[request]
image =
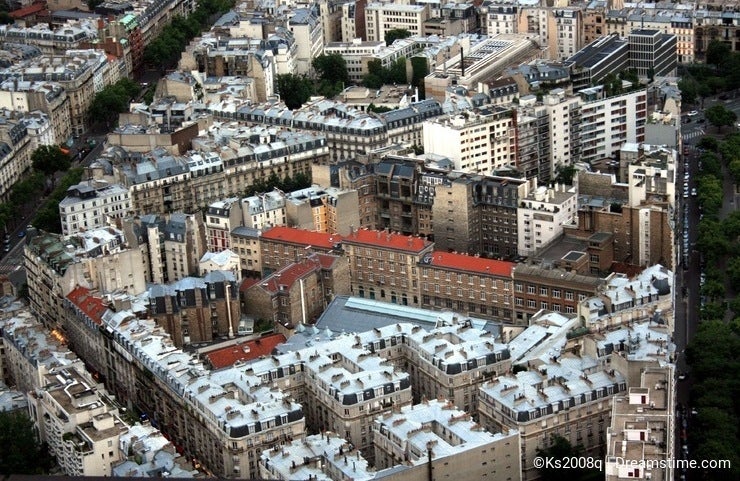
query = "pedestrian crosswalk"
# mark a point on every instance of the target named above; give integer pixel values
(693, 134)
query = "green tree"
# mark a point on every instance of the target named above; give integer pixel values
(419, 71)
(396, 34)
(565, 174)
(717, 53)
(719, 116)
(294, 90)
(21, 452)
(49, 159)
(332, 68)
(689, 90)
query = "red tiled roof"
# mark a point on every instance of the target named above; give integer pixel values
(247, 283)
(388, 240)
(92, 306)
(26, 11)
(245, 351)
(289, 274)
(326, 260)
(302, 237)
(470, 263)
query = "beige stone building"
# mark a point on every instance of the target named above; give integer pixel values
(319, 209)
(245, 241)
(435, 435)
(570, 397)
(96, 260)
(48, 97)
(15, 152)
(383, 265)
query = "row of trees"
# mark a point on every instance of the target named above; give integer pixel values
(47, 217)
(714, 353)
(300, 180)
(46, 161)
(112, 100)
(167, 47)
(21, 453)
(720, 73)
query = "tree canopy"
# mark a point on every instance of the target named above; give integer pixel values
(720, 116)
(113, 100)
(396, 34)
(294, 90)
(49, 159)
(378, 75)
(332, 75)
(21, 452)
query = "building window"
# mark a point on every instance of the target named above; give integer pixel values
(530, 290)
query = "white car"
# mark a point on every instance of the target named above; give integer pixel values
(693, 113)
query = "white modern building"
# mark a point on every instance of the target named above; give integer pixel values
(541, 216)
(479, 142)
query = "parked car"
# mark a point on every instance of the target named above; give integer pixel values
(693, 113)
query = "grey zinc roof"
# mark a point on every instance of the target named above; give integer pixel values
(355, 314)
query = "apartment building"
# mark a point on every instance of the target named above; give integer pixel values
(48, 97)
(532, 149)
(382, 17)
(357, 53)
(640, 438)
(342, 385)
(558, 290)
(542, 215)
(308, 30)
(245, 242)
(500, 17)
(30, 353)
(82, 316)
(569, 396)
(320, 456)
(565, 114)
(148, 454)
(282, 246)
(73, 72)
(53, 42)
(221, 218)
(479, 142)
(348, 132)
(196, 309)
(15, 151)
(383, 265)
(297, 293)
(319, 209)
(39, 129)
(568, 32)
(468, 284)
(643, 228)
(263, 211)
(173, 244)
(396, 181)
(79, 423)
(96, 259)
(607, 122)
(352, 175)
(91, 205)
(436, 435)
(478, 215)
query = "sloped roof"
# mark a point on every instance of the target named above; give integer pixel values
(92, 306)
(247, 351)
